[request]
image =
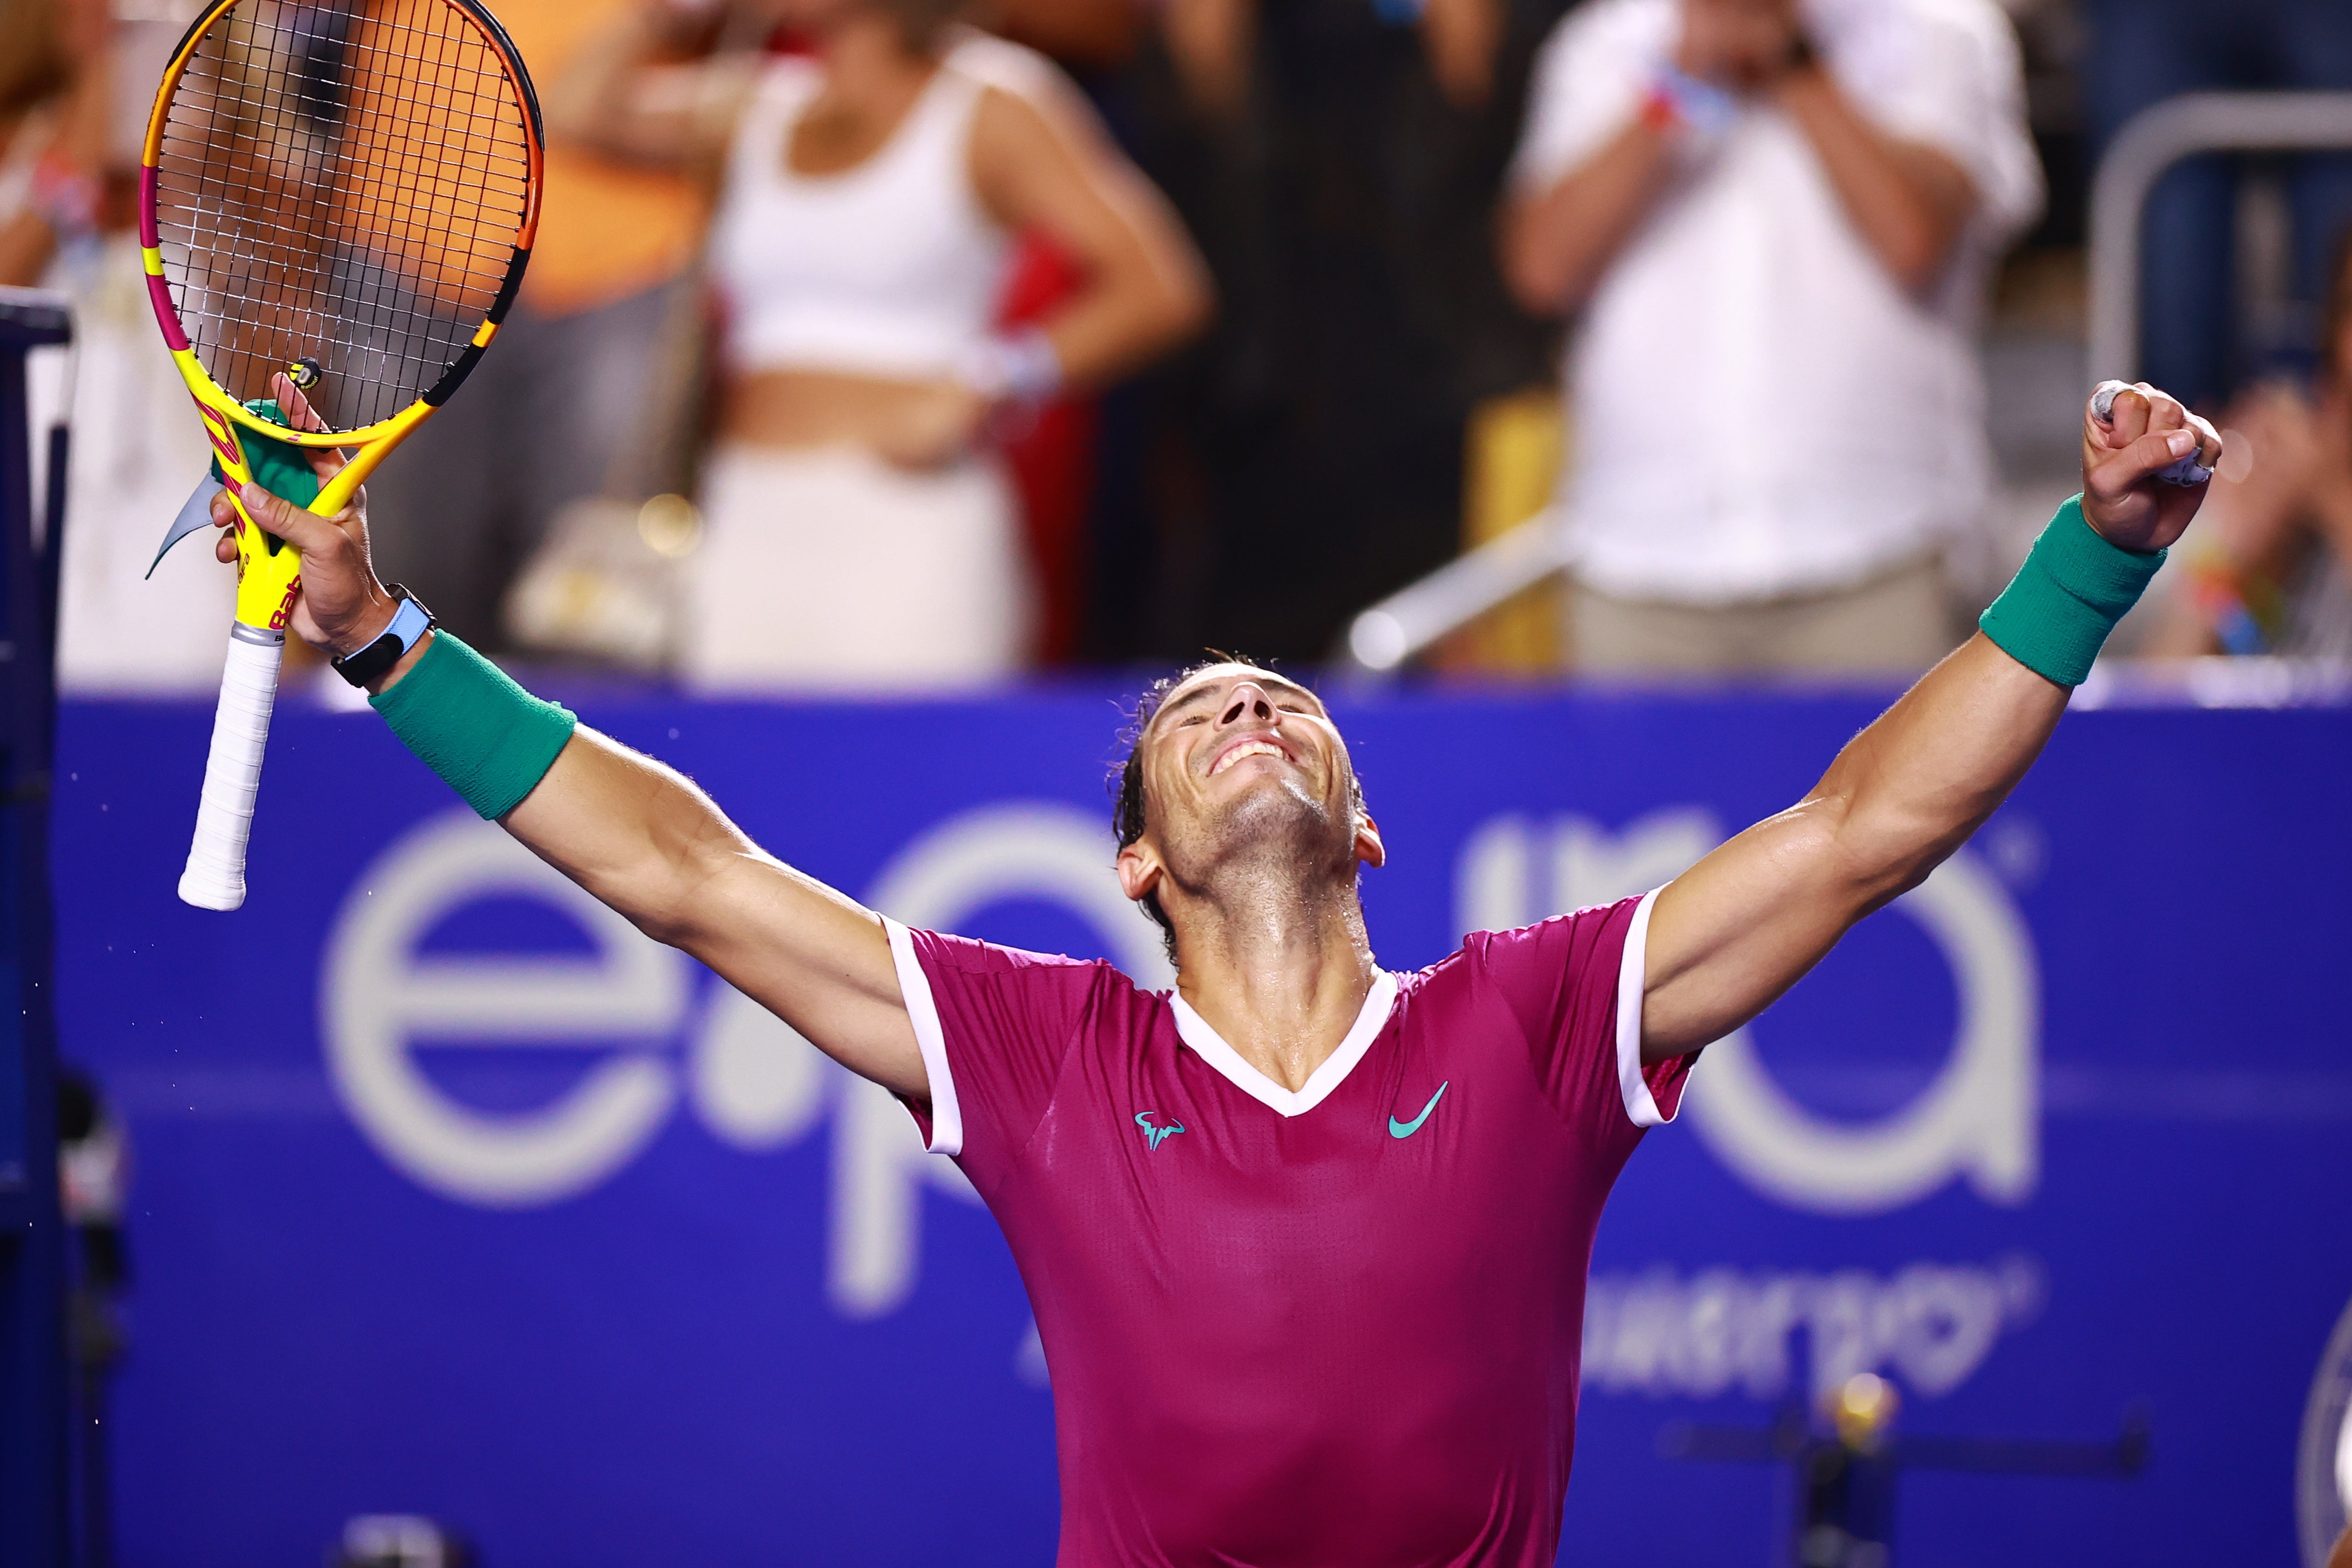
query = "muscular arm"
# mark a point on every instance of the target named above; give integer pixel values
(1908, 200)
(1743, 925)
(636, 835)
(642, 838)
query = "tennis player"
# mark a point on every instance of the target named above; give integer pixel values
(1306, 1239)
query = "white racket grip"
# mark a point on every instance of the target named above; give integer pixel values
(215, 879)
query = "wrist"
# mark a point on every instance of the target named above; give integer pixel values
(407, 662)
(2055, 615)
(372, 619)
(374, 661)
(1021, 367)
(1678, 100)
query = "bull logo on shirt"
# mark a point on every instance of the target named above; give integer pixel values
(1154, 1135)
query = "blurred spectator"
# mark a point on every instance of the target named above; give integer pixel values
(1339, 162)
(51, 108)
(858, 530)
(2266, 572)
(587, 395)
(1776, 220)
(2144, 51)
(72, 116)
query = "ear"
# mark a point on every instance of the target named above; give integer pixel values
(1369, 847)
(1138, 870)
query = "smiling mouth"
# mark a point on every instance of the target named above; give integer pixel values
(1247, 749)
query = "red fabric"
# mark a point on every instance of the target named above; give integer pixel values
(1303, 1341)
(1051, 455)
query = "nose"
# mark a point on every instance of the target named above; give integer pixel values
(1247, 702)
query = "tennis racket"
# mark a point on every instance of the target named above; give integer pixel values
(342, 193)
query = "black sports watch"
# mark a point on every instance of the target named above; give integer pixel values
(410, 621)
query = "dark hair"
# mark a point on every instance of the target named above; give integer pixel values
(1127, 811)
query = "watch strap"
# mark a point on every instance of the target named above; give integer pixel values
(410, 621)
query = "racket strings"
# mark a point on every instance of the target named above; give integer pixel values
(345, 181)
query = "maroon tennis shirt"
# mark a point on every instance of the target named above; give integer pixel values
(1332, 1326)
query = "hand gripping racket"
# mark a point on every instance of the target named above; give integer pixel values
(343, 192)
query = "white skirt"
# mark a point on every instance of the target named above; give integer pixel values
(827, 569)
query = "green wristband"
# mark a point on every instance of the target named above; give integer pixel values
(487, 738)
(2072, 589)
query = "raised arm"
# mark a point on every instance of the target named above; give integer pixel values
(1743, 925)
(641, 88)
(1559, 240)
(638, 835)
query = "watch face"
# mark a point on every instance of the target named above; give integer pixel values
(2323, 1481)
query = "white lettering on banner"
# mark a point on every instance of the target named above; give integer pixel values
(379, 997)
(1932, 1324)
(752, 1079)
(1979, 1119)
(755, 1082)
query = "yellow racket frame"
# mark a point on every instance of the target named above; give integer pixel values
(269, 570)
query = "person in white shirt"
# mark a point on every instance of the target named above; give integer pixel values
(1779, 215)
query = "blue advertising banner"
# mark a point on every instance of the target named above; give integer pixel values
(457, 1196)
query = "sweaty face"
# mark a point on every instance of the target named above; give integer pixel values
(1238, 757)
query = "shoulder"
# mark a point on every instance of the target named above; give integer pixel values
(967, 955)
(1914, 37)
(1531, 965)
(1000, 63)
(786, 77)
(1025, 105)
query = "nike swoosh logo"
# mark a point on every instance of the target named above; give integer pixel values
(1407, 1129)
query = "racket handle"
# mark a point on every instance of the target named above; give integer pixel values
(215, 879)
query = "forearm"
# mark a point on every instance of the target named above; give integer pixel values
(1908, 202)
(1912, 788)
(1458, 38)
(642, 839)
(1557, 243)
(1123, 321)
(1210, 42)
(1740, 927)
(634, 833)
(1749, 920)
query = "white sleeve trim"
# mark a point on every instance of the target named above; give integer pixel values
(1632, 973)
(923, 1011)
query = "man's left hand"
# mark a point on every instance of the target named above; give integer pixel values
(2146, 432)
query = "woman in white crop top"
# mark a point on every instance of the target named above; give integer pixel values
(858, 530)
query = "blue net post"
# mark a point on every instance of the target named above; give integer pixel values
(33, 1377)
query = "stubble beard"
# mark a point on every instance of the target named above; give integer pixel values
(1272, 847)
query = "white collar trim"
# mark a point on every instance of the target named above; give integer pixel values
(1210, 1048)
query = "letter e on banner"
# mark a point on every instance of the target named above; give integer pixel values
(381, 998)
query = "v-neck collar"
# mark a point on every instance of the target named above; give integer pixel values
(1210, 1048)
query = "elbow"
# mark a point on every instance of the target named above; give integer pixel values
(1535, 275)
(1178, 300)
(1919, 259)
(1538, 289)
(1188, 304)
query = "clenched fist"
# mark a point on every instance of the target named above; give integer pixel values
(2146, 432)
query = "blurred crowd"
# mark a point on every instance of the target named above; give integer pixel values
(911, 344)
